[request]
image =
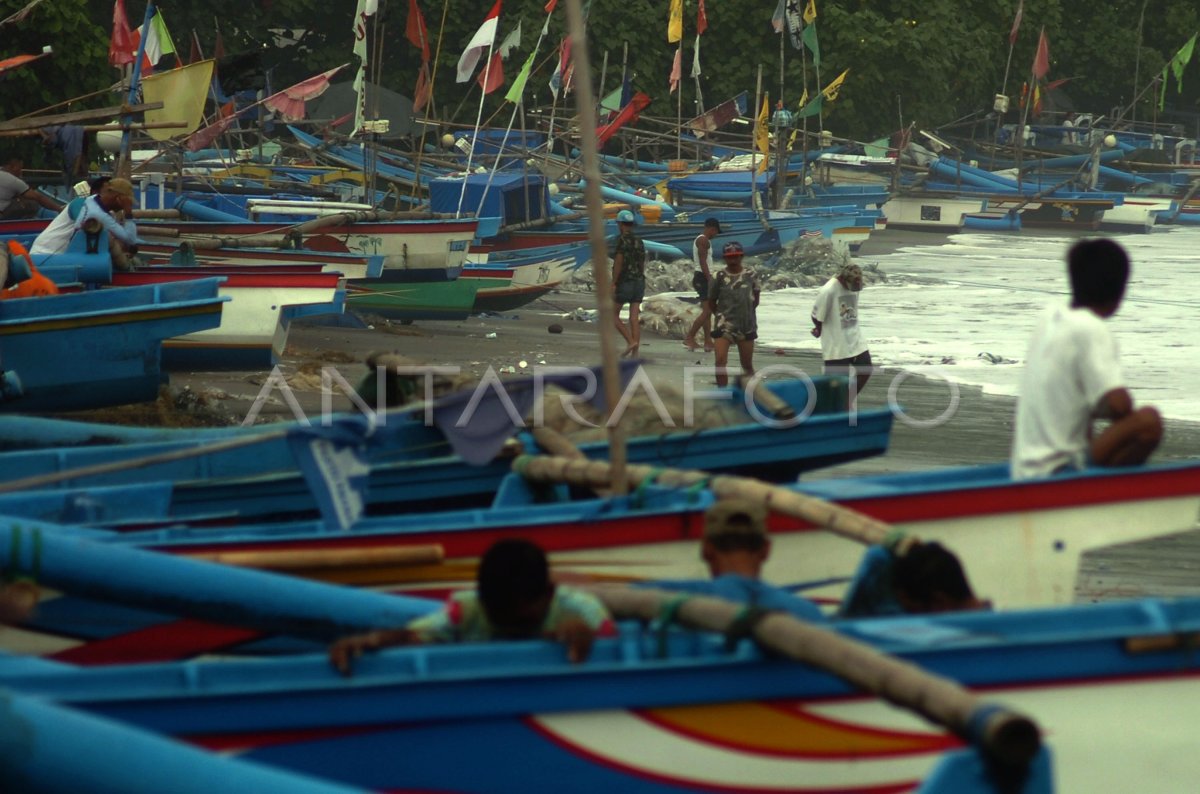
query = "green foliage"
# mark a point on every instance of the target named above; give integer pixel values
(930, 62)
(78, 64)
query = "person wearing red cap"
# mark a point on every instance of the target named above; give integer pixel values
(732, 301)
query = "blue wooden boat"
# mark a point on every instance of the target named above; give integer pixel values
(413, 468)
(101, 347)
(674, 711)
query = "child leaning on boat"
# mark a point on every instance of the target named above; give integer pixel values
(514, 600)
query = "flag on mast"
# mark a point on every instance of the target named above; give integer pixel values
(701, 19)
(415, 30)
(1012, 34)
(810, 12)
(121, 47)
(762, 138)
(359, 29)
(676, 70)
(484, 38)
(831, 90)
(675, 22)
(158, 42)
(1041, 60)
(778, 19)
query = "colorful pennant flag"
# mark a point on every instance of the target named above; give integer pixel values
(810, 12)
(415, 30)
(792, 18)
(121, 47)
(779, 18)
(511, 42)
(491, 76)
(675, 22)
(1016, 26)
(676, 70)
(518, 86)
(484, 38)
(810, 38)
(289, 102)
(831, 90)
(1176, 66)
(701, 19)
(561, 79)
(423, 91)
(762, 137)
(627, 115)
(158, 42)
(696, 58)
(1041, 59)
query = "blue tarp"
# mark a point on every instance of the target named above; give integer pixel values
(514, 198)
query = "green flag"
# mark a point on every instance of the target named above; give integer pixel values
(612, 102)
(813, 108)
(810, 38)
(518, 86)
(1176, 66)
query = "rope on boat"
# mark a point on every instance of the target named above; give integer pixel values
(1008, 739)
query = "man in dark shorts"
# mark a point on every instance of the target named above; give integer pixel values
(733, 303)
(629, 281)
(835, 323)
(701, 258)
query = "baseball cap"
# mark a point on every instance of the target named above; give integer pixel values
(712, 223)
(733, 249)
(624, 216)
(735, 517)
(120, 186)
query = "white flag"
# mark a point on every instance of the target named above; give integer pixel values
(483, 38)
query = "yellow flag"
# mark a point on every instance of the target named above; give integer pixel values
(675, 22)
(831, 90)
(810, 12)
(762, 138)
(182, 92)
(796, 132)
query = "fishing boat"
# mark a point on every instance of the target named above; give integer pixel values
(664, 710)
(263, 300)
(101, 347)
(413, 465)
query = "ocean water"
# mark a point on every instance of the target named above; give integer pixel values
(963, 307)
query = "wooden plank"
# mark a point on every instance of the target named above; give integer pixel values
(35, 122)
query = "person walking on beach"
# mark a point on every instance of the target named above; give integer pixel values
(1073, 378)
(733, 303)
(835, 323)
(701, 279)
(514, 599)
(629, 281)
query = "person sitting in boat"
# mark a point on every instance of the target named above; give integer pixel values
(735, 547)
(1073, 378)
(907, 577)
(733, 302)
(17, 198)
(110, 209)
(514, 599)
(629, 281)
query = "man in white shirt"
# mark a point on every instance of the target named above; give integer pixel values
(835, 323)
(90, 215)
(1073, 377)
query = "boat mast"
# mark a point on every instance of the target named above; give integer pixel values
(595, 205)
(125, 164)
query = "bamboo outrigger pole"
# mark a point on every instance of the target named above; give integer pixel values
(595, 204)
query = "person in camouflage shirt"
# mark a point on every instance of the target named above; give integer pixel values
(629, 281)
(733, 300)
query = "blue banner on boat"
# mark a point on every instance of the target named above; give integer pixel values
(335, 468)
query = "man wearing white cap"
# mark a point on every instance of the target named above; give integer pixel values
(835, 323)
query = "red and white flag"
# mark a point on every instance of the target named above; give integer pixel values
(484, 38)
